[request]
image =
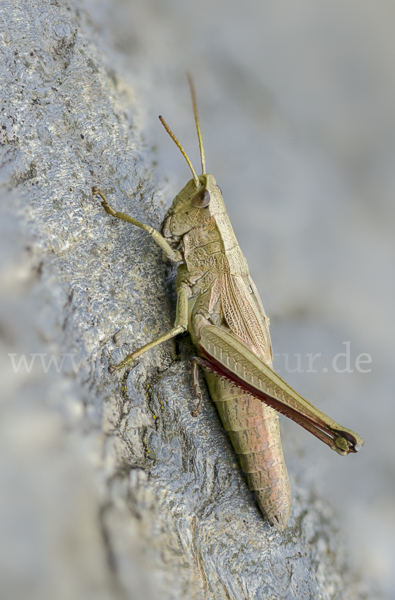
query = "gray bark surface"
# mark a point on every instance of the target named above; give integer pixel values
(110, 488)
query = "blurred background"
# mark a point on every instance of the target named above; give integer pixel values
(297, 107)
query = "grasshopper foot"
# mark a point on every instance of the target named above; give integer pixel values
(104, 203)
(196, 386)
(195, 412)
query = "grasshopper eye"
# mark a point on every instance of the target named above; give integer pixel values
(201, 199)
(219, 189)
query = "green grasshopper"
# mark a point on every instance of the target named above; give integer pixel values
(219, 305)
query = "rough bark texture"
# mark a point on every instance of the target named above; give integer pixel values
(110, 488)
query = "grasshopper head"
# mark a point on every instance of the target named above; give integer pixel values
(201, 198)
(193, 207)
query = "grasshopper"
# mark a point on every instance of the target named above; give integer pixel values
(219, 305)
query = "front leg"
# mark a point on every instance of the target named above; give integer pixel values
(180, 325)
(173, 255)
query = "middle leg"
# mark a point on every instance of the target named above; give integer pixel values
(180, 325)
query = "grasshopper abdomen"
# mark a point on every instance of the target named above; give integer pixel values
(253, 429)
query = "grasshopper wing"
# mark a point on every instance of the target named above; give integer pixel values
(244, 314)
(222, 353)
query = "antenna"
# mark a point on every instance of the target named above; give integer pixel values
(173, 137)
(195, 112)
